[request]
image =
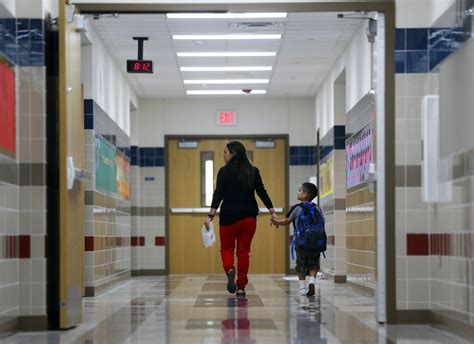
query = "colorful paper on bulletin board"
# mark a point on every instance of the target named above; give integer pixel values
(106, 166)
(326, 183)
(359, 153)
(7, 111)
(123, 175)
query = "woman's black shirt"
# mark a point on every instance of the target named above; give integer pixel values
(237, 203)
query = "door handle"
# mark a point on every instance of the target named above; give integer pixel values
(74, 173)
(82, 174)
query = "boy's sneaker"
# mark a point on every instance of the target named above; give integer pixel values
(310, 289)
(302, 292)
(231, 287)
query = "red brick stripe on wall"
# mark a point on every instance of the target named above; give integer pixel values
(445, 244)
(417, 244)
(138, 240)
(89, 243)
(160, 241)
(16, 246)
(331, 240)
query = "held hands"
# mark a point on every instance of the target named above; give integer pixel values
(274, 220)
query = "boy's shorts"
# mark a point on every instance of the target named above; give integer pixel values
(306, 262)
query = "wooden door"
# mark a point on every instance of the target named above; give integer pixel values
(71, 140)
(187, 253)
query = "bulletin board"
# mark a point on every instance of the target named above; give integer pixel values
(359, 154)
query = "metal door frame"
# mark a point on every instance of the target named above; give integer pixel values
(286, 139)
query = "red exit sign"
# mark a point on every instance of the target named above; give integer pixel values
(227, 118)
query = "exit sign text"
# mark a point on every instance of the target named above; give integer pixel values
(226, 118)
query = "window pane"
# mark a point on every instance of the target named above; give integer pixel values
(207, 178)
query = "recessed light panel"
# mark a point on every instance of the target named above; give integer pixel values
(223, 92)
(229, 54)
(226, 37)
(228, 81)
(226, 69)
(225, 15)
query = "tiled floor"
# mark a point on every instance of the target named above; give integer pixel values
(197, 309)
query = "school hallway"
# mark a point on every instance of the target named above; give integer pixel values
(127, 127)
(198, 309)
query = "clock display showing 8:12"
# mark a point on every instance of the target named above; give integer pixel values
(140, 66)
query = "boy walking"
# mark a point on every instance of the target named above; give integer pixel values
(309, 238)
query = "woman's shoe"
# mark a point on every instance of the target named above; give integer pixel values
(231, 287)
(241, 292)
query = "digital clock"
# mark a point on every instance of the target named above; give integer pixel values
(140, 66)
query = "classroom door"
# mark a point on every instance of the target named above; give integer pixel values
(187, 210)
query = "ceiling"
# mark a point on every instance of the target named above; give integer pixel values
(310, 44)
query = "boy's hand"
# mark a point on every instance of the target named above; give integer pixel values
(274, 221)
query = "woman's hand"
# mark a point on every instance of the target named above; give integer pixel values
(207, 222)
(210, 217)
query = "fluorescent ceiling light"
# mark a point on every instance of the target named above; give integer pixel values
(226, 69)
(227, 36)
(228, 54)
(228, 81)
(223, 92)
(225, 15)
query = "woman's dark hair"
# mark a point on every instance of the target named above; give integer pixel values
(245, 169)
(310, 189)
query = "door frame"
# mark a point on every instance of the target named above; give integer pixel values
(286, 139)
(387, 7)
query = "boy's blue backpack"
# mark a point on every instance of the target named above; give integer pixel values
(309, 235)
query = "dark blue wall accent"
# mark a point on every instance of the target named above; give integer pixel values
(335, 138)
(420, 50)
(147, 156)
(134, 155)
(302, 155)
(88, 114)
(22, 41)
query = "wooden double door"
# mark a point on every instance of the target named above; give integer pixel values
(187, 206)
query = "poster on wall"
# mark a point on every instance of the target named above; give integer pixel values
(105, 166)
(326, 183)
(123, 175)
(359, 153)
(7, 111)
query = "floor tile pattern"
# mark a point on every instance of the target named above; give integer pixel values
(198, 309)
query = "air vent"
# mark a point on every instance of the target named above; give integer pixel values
(244, 26)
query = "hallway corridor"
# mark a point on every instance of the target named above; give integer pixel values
(197, 309)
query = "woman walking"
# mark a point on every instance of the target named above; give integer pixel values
(236, 184)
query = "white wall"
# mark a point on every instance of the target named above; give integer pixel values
(420, 13)
(51, 7)
(293, 116)
(9, 5)
(105, 82)
(356, 60)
